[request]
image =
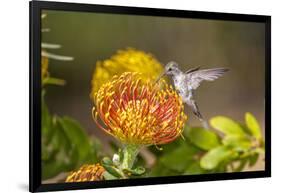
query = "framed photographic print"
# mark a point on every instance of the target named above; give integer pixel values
(125, 96)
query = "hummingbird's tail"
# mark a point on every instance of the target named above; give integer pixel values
(200, 117)
(196, 112)
(205, 123)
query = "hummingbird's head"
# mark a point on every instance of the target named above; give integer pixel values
(171, 68)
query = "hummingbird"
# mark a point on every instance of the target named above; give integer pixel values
(187, 82)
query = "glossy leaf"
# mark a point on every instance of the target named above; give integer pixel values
(214, 157)
(109, 176)
(179, 158)
(136, 172)
(65, 146)
(107, 161)
(112, 170)
(227, 126)
(204, 139)
(253, 125)
(60, 156)
(238, 143)
(78, 137)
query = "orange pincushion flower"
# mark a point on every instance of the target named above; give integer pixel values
(87, 173)
(137, 112)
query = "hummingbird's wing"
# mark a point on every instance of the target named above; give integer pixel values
(195, 77)
(192, 70)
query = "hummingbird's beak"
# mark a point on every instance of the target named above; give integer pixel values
(163, 74)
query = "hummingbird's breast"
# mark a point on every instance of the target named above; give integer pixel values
(179, 83)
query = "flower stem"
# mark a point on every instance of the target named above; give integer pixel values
(130, 153)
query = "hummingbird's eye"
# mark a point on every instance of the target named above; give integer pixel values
(170, 69)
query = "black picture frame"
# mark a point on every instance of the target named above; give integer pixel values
(35, 183)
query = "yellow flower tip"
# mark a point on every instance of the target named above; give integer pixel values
(138, 112)
(87, 173)
(127, 60)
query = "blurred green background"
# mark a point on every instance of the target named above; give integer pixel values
(89, 37)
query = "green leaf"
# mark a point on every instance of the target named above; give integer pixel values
(54, 81)
(112, 170)
(107, 161)
(179, 158)
(136, 172)
(259, 150)
(227, 126)
(214, 157)
(109, 176)
(121, 155)
(253, 125)
(60, 156)
(65, 146)
(203, 138)
(46, 122)
(79, 139)
(46, 118)
(253, 159)
(194, 168)
(238, 143)
(162, 170)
